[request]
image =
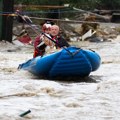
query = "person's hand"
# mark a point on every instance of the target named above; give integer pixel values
(41, 37)
(48, 41)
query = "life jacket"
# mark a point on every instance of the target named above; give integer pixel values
(37, 53)
(60, 42)
(55, 38)
(39, 50)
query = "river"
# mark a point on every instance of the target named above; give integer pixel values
(95, 98)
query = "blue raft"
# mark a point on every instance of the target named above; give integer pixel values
(69, 62)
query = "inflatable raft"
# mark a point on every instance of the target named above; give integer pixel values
(67, 62)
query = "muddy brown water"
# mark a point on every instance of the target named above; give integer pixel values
(97, 99)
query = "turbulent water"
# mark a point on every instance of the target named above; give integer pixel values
(94, 98)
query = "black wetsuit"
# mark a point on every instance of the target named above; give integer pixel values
(60, 41)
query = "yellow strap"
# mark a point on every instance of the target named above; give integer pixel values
(9, 14)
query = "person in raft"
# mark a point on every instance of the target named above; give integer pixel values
(43, 43)
(60, 41)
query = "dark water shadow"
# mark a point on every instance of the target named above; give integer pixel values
(76, 79)
(88, 79)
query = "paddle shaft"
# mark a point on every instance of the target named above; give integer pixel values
(44, 34)
(28, 23)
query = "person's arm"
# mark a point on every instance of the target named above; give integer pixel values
(62, 42)
(37, 41)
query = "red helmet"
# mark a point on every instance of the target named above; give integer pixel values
(46, 27)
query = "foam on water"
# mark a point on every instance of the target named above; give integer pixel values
(59, 100)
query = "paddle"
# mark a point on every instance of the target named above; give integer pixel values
(29, 23)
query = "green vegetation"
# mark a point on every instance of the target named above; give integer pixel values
(83, 4)
(34, 7)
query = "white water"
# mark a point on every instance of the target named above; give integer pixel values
(96, 99)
